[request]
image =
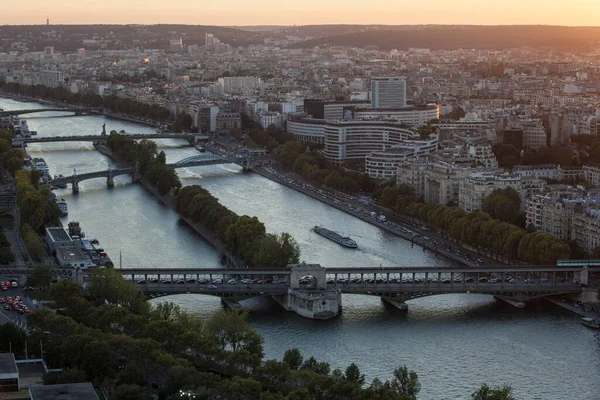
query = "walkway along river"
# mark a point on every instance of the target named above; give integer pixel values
(454, 342)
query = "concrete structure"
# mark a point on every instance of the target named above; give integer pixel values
(591, 175)
(307, 130)
(388, 91)
(476, 187)
(9, 374)
(553, 215)
(409, 115)
(65, 391)
(57, 237)
(384, 164)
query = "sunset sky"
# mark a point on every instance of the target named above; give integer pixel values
(285, 12)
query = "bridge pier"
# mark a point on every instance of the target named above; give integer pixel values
(137, 175)
(110, 179)
(512, 302)
(399, 304)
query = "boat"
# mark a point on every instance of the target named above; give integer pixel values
(62, 205)
(200, 149)
(75, 229)
(336, 237)
(591, 322)
(40, 165)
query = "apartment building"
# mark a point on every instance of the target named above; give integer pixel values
(476, 187)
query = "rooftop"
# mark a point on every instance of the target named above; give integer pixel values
(58, 234)
(69, 391)
(7, 364)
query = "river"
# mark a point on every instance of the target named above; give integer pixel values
(454, 342)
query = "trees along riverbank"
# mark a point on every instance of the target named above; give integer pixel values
(243, 236)
(111, 336)
(113, 103)
(152, 164)
(36, 206)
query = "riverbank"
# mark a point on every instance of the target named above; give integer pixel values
(170, 201)
(426, 245)
(51, 102)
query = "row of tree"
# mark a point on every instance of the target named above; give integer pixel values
(110, 336)
(111, 102)
(313, 166)
(153, 165)
(494, 237)
(245, 237)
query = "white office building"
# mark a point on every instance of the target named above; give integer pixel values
(388, 91)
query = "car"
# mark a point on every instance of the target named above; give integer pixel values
(194, 281)
(469, 279)
(181, 282)
(445, 280)
(483, 279)
(154, 281)
(218, 280)
(246, 281)
(512, 280)
(142, 282)
(212, 287)
(303, 281)
(166, 282)
(232, 281)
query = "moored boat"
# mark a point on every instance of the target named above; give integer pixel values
(62, 205)
(336, 237)
(591, 322)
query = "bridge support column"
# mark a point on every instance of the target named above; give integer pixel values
(137, 175)
(75, 182)
(110, 179)
(512, 302)
(399, 304)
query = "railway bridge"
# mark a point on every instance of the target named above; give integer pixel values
(54, 109)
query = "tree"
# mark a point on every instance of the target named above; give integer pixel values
(276, 251)
(287, 153)
(406, 382)
(68, 375)
(353, 374)
(132, 392)
(293, 358)
(41, 276)
(498, 393)
(108, 286)
(504, 205)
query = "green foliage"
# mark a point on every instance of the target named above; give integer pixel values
(132, 392)
(499, 393)
(504, 205)
(406, 382)
(244, 236)
(112, 103)
(293, 358)
(66, 376)
(35, 205)
(108, 286)
(33, 243)
(152, 165)
(6, 255)
(40, 277)
(183, 123)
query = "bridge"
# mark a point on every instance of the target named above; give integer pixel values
(315, 292)
(100, 138)
(56, 109)
(244, 160)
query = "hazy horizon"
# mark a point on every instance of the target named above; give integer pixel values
(577, 13)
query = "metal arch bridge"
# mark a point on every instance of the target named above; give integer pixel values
(194, 161)
(32, 111)
(99, 138)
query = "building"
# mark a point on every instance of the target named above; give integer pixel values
(57, 237)
(67, 252)
(207, 119)
(435, 181)
(592, 175)
(388, 91)
(384, 164)
(307, 130)
(534, 135)
(266, 118)
(49, 50)
(66, 391)
(585, 228)
(329, 110)
(548, 171)
(228, 121)
(549, 214)
(413, 115)
(51, 79)
(476, 187)
(9, 374)
(351, 140)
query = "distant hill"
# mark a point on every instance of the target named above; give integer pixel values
(447, 37)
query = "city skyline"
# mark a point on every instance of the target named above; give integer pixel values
(269, 12)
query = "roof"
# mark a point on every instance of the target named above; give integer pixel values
(58, 234)
(8, 364)
(68, 391)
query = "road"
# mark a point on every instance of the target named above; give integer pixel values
(11, 316)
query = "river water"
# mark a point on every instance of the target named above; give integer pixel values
(454, 342)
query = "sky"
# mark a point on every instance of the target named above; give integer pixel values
(302, 12)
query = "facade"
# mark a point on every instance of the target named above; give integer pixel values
(388, 91)
(410, 115)
(550, 215)
(513, 137)
(592, 175)
(51, 79)
(307, 130)
(228, 121)
(585, 228)
(348, 140)
(267, 118)
(476, 187)
(549, 171)
(207, 119)
(437, 182)
(384, 164)
(534, 135)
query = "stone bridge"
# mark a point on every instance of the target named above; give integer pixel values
(39, 110)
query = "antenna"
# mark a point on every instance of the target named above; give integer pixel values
(47, 21)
